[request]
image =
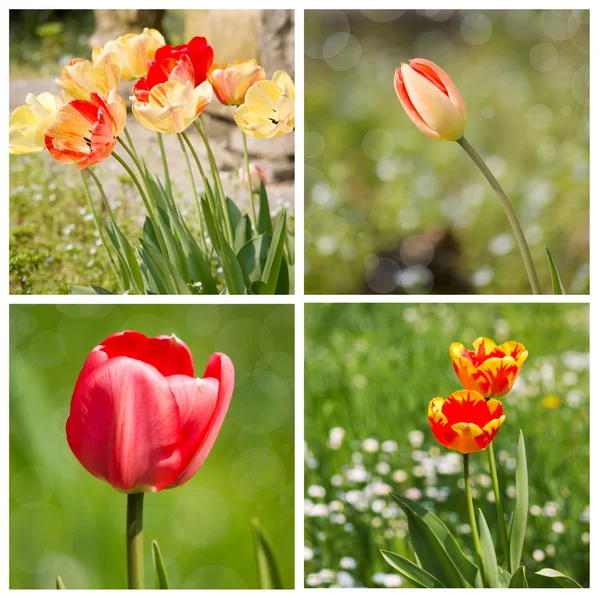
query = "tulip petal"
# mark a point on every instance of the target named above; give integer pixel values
(124, 426)
(220, 368)
(196, 399)
(168, 354)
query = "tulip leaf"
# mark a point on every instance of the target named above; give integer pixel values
(503, 577)
(290, 248)
(59, 583)
(431, 552)
(235, 214)
(519, 578)
(160, 574)
(101, 291)
(560, 578)
(167, 274)
(411, 571)
(81, 290)
(154, 279)
(557, 284)
(519, 521)
(273, 264)
(269, 572)
(443, 535)
(283, 281)
(264, 224)
(252, 258)
(488, 553)
(243, 233)
(127, 256)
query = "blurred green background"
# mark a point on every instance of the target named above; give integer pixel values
(373, 180)
(64, 521)
(372, 369)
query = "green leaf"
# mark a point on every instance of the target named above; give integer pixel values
(503, 577)
(290, 247)
(160, 575)
(163, 268)
(269, 573)
(283, 281)
(264, 224)
(519, 522)
(154, 278)
(127, 255)
(557, 284)
(562, 579)
(81, 290)
(235, 214)
(243, 233)
(431, 553)
(411, 571)
(252, 258)
(231, 266)
(101, 291)
(120, 259)
(59, 583)
(273, 264)
(519, 578)
(443, 535)
(488, 553)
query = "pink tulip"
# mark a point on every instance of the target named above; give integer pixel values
(256, 176)
(139, 420)
(431, 99)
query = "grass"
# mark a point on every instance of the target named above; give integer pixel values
(371, 371)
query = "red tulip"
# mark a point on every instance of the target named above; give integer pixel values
(168, 58)
(139, 420)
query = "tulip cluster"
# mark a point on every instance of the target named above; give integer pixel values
(469, 419)
(173, 86)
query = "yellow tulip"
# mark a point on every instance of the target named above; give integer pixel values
(172, 106)
(230, 83)
(268, 109)
(82, 77)
(134, 51)
(29, 122)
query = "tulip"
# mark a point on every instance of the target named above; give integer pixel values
(465, 421)
(28, 123)
(139, 420)
(491, 370)
(134, 51)
(268, 109)
(256, 176)
(231, 83)
(168, 58)
(84, 131)
(81, 77)
(431, 99)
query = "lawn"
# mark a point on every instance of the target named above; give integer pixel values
(371, 371)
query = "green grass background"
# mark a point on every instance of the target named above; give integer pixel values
(372, 178)
(372, 369)
(65, 522)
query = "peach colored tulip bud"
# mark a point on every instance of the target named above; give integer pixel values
(256, 175)
(231, 82)
(431, 99)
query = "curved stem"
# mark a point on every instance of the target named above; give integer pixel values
(472, 521)
(135, 543)
(163, 156)
(498, 501)
(247, 161)
(129, 140)
(510, 213)
(131, 153)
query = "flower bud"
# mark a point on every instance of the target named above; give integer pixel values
(256, 175)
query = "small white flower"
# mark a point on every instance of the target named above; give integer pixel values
(327, 575)
(558, 527)
(345, 580)
(316, 491)
(336, 437)
(370, 445)
(399, 476)
(347, 562)
(383, 468)
(416, 438)
(392, 580)
(538, 555)
(308, 553)
(413, 494)
(389, 446)
(313, 580)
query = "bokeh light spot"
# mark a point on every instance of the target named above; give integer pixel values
(258, 475)
(539, 116)
(554, 24)
(546, 153)
(378, 143)
(47, 349)
(476, 29)
(383, 16)
(381, 275)
(543, 57)
(348, 58)
(314, 144)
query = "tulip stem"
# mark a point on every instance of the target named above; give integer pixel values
(472, 521)
(510, 213)
(135, 542)
(163, 156)
(247, 162)
(498, 502)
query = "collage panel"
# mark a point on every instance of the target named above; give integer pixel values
(152, 152)
(401, 400)
(447, 151)
(160, 433)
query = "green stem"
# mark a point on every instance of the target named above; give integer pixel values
(247, 162)
(129, 140)
(510, 213)
(196, 199)
(99, 228)
(135, 542)
(199, 124)
(163, 156)
(499, 509)
(132, 154)
(472, 521)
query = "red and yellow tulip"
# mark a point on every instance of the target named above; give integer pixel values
(268, 109)
(231, 82)
(28, 123)
(490, 369)
(431, 99)
(81, 77)
(134, 51)
(465, 421)
(84, 132)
